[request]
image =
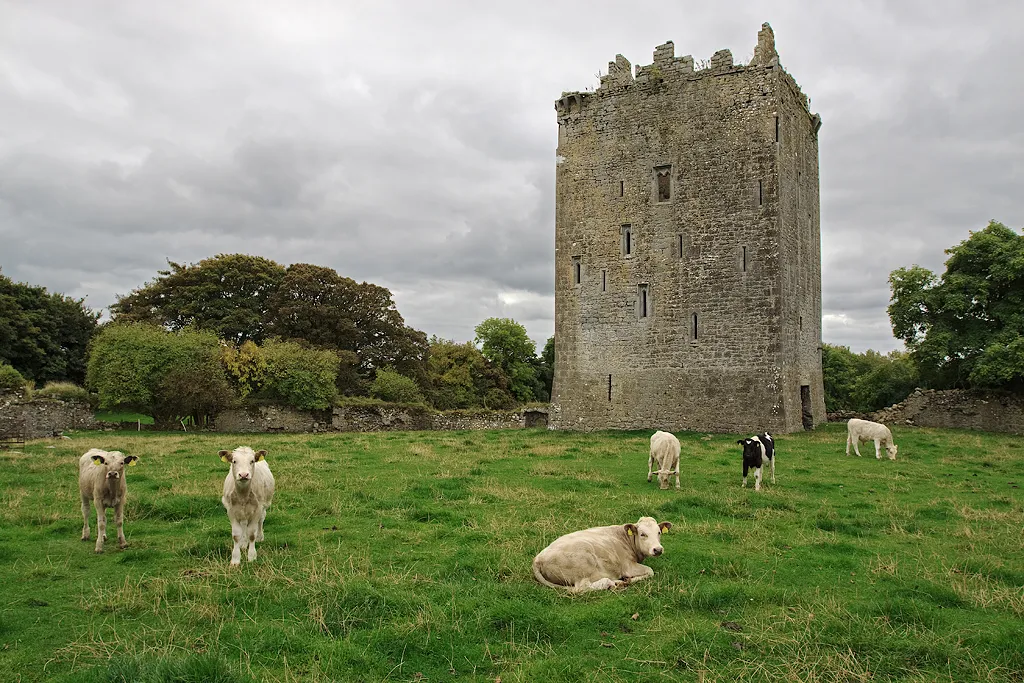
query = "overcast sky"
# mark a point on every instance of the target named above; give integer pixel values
(412, 143)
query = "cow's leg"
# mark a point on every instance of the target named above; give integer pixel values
(602, 584)
(757, 478)
(677, 477)
(772, 461)
(236, 536)
(250, 530)
(650, 467)
(119, 522)
(637, 572)
(263, 517)
(745, 468)
(878, 452)
(85, 518)
(101, 524)
(856, 446)
(849, 438)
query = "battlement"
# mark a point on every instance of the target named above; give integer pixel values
(667, 67)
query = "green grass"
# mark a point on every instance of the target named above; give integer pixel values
(406, 557)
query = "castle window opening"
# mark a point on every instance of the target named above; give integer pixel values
(622, 187)
(663, 175)
(679, 238)
(760, 193)
(744, 259)
(644, 302)
(609, 387)
(604, 280)
(776, 128)
(577, 270)
(694, 327)
(627, 240)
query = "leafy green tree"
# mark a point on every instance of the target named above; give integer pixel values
(300, 377)
(458, 376)
(963, 329)
(391, 386)
(246, 366)
(865, 382)
(546, 369)
(44, 336)
(227, 294)
(11, 379)
(169, 375)
(505, 343)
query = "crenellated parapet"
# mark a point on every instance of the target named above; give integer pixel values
(666, 67)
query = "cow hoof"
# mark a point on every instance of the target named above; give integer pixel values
(98, 551)
(122, 546)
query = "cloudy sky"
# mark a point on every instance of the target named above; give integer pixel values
(411, 143)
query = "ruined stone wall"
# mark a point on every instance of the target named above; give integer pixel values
(41, 418)
(685, 296)
(957, 409)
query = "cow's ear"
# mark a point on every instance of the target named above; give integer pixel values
(665, 526)
(740, 442)
(260, 454)
(630, 529)
(99, 460)
(225, 456)
(130, 460)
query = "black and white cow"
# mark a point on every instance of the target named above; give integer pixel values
(757, 451)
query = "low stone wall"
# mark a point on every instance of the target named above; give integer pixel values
(43, 417)
(958, 409)
(371, 418)
(262, 419)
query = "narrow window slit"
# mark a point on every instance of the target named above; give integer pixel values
(695, 327)
(744, 259)
(609, 387)
(604, 280)
(760, 193)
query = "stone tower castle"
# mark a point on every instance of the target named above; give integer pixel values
(688, 249)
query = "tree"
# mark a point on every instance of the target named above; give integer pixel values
(458, 376)
(505, 343)
(546, 369)
(227, 294)
(300, 377)
(319, 306)
(169, 375)
(963, 329)
(865, 382)
(44, 336)
(396, 388)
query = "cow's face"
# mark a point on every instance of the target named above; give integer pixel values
(663, 478)
(114, 462)
(891, 450)
(646, 535)
(243, 461)
(751, 449)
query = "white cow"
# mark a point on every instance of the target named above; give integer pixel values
(248, 492)
(601, 557)
(664, 452)
(101, 480)
(865, 430)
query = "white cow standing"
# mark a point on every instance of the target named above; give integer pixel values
(102, 481)
(602, 557)
(248, 492)
(664, 453)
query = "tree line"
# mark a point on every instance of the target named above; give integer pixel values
(304, 334)
(200, 336)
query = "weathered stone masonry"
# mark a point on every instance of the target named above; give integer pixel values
(687, 249)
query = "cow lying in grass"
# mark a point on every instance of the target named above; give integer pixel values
(758, 451)
(101, 480)
(602, 557)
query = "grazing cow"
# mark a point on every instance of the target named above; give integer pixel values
(102, 480)
(602, 557)
(248, 492)
(758, 450)
(664, 452)
(865, 430)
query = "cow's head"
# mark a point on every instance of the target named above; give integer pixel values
(242, 460)
(646, 535)
(114, 462)
(891, 450)
(751, 449)
(664, 476)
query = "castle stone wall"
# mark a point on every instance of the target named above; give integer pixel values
(687, 251)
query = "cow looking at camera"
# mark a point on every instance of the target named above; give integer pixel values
(758, 451)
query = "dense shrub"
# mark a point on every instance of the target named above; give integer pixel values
(169, 375)
(393, 387)
(459, 377)
(299, 377)
(66, 391)
(865, 382)
(11, 379)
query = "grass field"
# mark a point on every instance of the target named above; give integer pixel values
(406, 557)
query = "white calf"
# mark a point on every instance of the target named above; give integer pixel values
(601, 557)
(865, 430)
(101, 480)
(664, 452)
(248, 492)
